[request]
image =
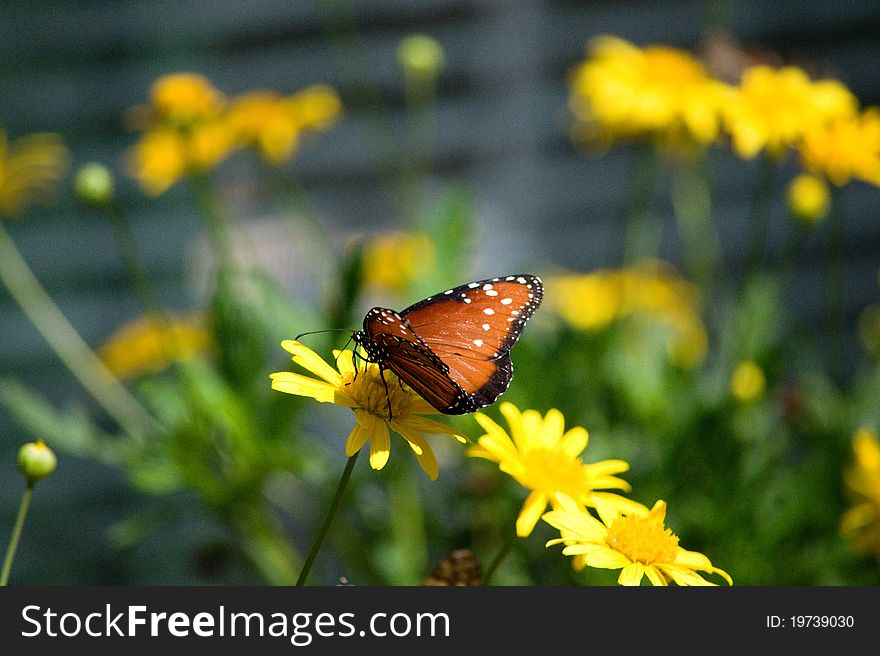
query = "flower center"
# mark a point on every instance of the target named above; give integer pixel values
(374, 396)
(643, 539)
(553, 471)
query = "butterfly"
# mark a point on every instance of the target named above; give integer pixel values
(453, 348)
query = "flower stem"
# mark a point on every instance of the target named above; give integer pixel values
(16, 534)
(641, 237)
(214, 222)
(692, 206)
(499, 557)
(66, 342)
(834, 285)
(134, 265)
(334, 506)
(760, 213)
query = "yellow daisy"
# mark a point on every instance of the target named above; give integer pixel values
(622, 90)
(31, 168)
(393, 260)
(634, 541)
(363, 391)
(846, 148)
(183, 98)
(149, 344)
(861, 522)
(774, 108)
(545, 458)
(594, 300)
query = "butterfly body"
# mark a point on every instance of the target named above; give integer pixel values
(453, 348)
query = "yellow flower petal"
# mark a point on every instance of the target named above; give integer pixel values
(531, 512)
(631, 575)
(575, 441)
(655, 577)
(380, 443)
(359, 434)
(291, 383)
(308, 359)
(423, 451)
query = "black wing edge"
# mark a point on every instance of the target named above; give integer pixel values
(454, 293)
(465, 403)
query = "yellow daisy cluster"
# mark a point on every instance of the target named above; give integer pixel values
(545, 459)
(31, 167)
(593, 301)
(379, 402)
(190, 126)
(861, 522)
(149, 344)
(622, 91)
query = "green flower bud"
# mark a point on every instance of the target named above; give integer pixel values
(94, 184)
(36, 461)
(420, 56)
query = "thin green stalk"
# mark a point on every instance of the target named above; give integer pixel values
(214, 222)
(134, 265)
(642, 229)
(16, 534)
(760, 216)
(499, 558)
(421, 96)
(331, 513)
(692, 206)
(66, 342)
(834, 283)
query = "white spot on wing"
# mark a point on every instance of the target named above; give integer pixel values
(521, 280)
(478, 343)
(486, 326)
(506, 301)
(448, 291)
(487, 286)
(491, 292)
(489, 311)
(473, 285)
(466, 300)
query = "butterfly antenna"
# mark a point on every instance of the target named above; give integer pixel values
(326, 330)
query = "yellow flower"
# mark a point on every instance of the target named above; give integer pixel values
(593, 301)
(747, 381)
(314, 108)
(30, 169)
(190, 127)
(273, 124)
(393, 260)
(634, 541)
(158, 160)
(149, 345)
(625, 91)
(848, 147)
(545, 458)
(774, 108)
(363, 391)
(861, 522)
(808, 198)
(183, 98)
(207, 144)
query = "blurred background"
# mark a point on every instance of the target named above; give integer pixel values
(481, 158)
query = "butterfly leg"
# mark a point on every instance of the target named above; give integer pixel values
(387, 393)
